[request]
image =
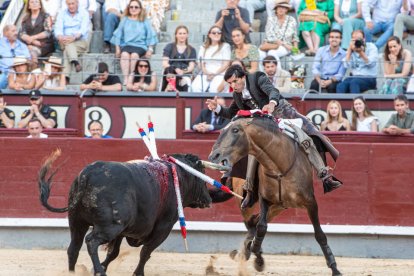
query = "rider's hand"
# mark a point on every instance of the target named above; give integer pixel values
(270, 107)
(212, 104)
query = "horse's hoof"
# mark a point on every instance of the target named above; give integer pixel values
(233, 254)
(336, 273)
(259, 263)
(247, 251)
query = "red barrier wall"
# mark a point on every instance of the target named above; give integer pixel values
(377, 172)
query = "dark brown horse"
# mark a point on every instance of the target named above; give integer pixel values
(285, 178)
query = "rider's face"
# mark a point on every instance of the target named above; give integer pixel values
(237, 84)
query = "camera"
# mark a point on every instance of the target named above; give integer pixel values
(232, 12)
(359, 43)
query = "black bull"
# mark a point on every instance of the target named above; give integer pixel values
(135, 200)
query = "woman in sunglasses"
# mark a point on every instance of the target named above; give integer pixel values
(214, 57)
(134, 38)
(143, 79)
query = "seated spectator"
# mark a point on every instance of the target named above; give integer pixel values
(180, 55)
(96, 130)
(277, 76)
(113, 11)
(270, 6)
(224, 86)
(88, 5)
(334, 120)
(397, 67)
(214, 58)
(52, 8)
(401, 122)
(72, 31)
(143, 79)
(362, 117)
(404, 20)
(172, 82)
(252, 6)
(132, 45)
(10, 47)
(382, 19)
(102, 81)
(315, 24)
(208, 121)
(36, 31)
(35, 129)
(361, 58)
(6, 115)
(52, 77)
(231, 17)
(247, 53)
(328, 68)
(19, 76)
(281, 32)
(348, 17)
(46, 115)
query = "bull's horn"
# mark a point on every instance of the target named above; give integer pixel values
(214, 166)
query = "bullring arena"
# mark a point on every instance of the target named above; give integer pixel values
(368, 221)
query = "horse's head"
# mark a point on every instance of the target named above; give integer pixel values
(232, 144)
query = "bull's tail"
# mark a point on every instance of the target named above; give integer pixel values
(46, 184)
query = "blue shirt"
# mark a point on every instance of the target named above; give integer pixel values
(134, 33)
(359, 67)
(20, 50)
(327, 66)
(382, 10)
(68, 25)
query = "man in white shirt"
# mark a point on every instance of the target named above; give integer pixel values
(382, 20)
(404, 20)
(113, 11)
(35, 129)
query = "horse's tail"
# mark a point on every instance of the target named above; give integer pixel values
(46, 184)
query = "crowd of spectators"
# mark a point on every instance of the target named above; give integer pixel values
(291, 27)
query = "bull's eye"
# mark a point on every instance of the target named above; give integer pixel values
(235, 130)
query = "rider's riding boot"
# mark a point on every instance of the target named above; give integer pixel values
(329, 181)
(248, 186)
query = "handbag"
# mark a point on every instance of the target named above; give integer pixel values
(313, 16)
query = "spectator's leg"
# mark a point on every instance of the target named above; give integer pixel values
(270, 5)
(388, 28)
(214, 84)
(332, 87)
(359, 85)
(385, 87)
(133, 62)
(370, 32)
(199, 84)
(315, 40)
(97, 17)
(336, 26)
(308, 40)
(262, 55)
(111, 22)
(3, 80)
(73, 50)
(314, 85)
(279, 52)
(252, 6)
(398, 86)
(350, 24)
(125, 57)
(406, 21)
(343, 86)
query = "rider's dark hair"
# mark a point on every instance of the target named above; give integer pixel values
(234, 70)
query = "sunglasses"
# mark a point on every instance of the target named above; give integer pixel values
(215, 33)
(142, 66)
(134, 7)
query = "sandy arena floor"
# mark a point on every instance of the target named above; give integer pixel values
(54, 263)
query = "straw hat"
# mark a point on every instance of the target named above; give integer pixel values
(54, 61)
(19, 61)
(282, 3)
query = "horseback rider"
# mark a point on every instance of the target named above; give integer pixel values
(255, 91)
